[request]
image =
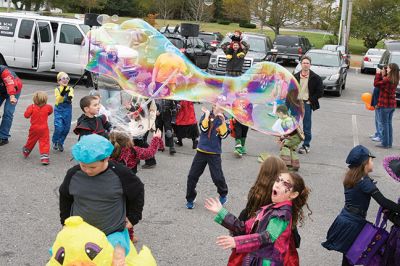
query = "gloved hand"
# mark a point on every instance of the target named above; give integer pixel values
(240, 55)
(64, 92)
(229, 56)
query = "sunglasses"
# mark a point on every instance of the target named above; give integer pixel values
(64, 78)
(285, 183)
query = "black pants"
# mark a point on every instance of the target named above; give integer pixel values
(199, 163)
(240, 130)
(142, 143)
(164, 122)
(345, 262)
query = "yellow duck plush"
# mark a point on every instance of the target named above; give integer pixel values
(80, 244)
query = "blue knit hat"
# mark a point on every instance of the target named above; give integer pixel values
(92, 148)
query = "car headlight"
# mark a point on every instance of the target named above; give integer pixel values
(334, 77)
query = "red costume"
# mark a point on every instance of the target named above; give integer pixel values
(186, 115)
(39, 130)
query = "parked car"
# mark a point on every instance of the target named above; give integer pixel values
(291, 47)
(330, 66)
(212, 38)
(341, 48)
(391, 57)
(193, 48)
(392, 45)
(260, 50)
(371, 60)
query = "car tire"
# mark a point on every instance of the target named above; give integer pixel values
(363, 70)
(338, 93)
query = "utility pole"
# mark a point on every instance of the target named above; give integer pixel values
(349, 13)
(342, 28)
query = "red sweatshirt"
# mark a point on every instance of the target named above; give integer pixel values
(10, 81)
(38, 115)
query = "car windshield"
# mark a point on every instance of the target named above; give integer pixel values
(375, 52)
(395, 59)
(256, 44)
(176, 42)
(287, 40)
(324, 59)
(207, 37)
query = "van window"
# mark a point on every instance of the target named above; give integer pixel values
(45, 32)
(7, 26)
(25, 29)
(70, 33)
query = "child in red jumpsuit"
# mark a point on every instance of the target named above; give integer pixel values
(39, 130)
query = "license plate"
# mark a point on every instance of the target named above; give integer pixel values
(284, 56)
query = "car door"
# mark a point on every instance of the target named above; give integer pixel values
(8, 28)
(25, 45)
(71, 49)
(45, 52)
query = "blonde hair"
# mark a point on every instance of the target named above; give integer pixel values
(60, 75)
(40, 98)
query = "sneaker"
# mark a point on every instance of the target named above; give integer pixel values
(55, 146)
(304, 149)
(179, 143)
(194, 145)
(60, 147)
(190, 205)
(172, 150)
(377, 139)
(238, 153)
(372, 136)
(148, 166)
(25, 152)
(223, 199)
(3, 142)
(45, 161)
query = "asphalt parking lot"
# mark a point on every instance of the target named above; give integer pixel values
(29, 216)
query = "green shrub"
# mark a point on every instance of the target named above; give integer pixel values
(248, 25)
(224, 22)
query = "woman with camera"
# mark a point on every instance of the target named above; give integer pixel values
(386, 80)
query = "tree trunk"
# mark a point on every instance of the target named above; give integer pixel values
(370, 42)
(28, 5)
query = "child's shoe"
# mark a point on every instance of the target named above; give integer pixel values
(45, 161)
(55, 146)
(60, 147)
(179, 142)
(190, 204)
(223, 199)
(26, 152)
(195, 143)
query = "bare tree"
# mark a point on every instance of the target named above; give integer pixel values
(197, 10)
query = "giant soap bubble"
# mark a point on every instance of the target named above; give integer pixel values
(147, 65)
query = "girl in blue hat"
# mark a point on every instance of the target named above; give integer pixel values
(358, 190)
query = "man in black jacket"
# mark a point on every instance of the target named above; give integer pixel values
(311, 89)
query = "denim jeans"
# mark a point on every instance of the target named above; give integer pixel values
(378, 124)
(8, 116)
(62, 122)
(386, 115)
(307, 124)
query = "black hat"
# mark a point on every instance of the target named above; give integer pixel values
(358, 155)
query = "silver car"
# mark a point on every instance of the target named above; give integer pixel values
(371, 60)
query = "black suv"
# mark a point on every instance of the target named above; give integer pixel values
(391, 57)
(193, 47)
(260, 50)
(291, 47)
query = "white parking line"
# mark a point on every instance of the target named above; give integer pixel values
(355, 130)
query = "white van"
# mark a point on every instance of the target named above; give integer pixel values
(33, 43)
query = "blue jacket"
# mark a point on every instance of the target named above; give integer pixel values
(212, 131)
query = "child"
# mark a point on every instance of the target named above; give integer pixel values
(288, 142)
(102, 110)
(128, 154)
(186, 123)
(267, 238)
(62, 111)
(213, 128)
(39, 130)
(89, 122)
(358, 190)
(107, 195)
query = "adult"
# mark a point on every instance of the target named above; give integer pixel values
(386, 81)
(109, 89)
(311, 89)
(10, 90)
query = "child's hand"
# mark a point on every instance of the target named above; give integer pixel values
(128, 224)
(157, 134)
(205, 111)
(213, 205)
(226, 242)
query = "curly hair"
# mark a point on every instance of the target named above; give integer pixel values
(260, 193)
(119, 140)
(300, 201)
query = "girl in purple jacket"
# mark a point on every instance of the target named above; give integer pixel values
(266, 239)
